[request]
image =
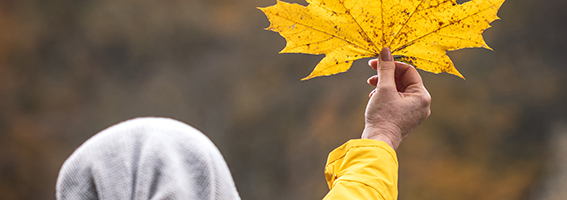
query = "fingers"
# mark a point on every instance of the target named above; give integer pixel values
(372, 93)
(401, 68)
(373, 80)
(407, 76)
(373, 63)
(386, 68)
(392, 74)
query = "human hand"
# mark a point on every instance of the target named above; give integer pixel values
(399, 103)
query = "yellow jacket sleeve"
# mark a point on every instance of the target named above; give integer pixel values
(362, 169)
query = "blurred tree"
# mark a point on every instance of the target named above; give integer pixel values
(68, 69)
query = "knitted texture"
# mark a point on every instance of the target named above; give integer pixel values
(146, 158)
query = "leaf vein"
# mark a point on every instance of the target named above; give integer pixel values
(405, 23)
(442, 27)
(322, 31)
(367, 38)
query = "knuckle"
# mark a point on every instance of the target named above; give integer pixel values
(425, 100)
(387, 67)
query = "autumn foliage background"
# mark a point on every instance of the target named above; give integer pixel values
(69, 69)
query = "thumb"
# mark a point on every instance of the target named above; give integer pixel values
(386, 69)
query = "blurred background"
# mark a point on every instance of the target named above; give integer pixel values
(69, 69)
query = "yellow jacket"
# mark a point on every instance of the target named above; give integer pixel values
(362, 169)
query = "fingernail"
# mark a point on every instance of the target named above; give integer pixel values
(385, 54)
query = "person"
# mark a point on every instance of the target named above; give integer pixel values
(159, 158)
(367, 168)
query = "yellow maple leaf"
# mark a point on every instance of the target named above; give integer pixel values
(418, 32)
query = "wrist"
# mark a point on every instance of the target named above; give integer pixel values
(391, 136)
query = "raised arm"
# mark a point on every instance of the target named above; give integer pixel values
(399, 103)
(367, 168)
